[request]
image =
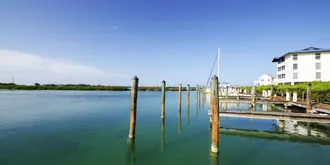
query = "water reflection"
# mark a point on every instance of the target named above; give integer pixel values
(188, 113)
(163, 135)
(197, 108)
(131, 154)
(179, 122)
(214, 159)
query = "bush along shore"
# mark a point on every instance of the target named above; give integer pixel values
(83, 87)
(320, 90)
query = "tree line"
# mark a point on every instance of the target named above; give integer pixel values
(83, 87)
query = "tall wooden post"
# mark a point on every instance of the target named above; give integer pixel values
(180, 95)
(211, 105)
(188, 94)
(197, 91)
(271, 94)
(253, 98)
(303, 96)
(309, 98)
(215, 116)
(238, 93)
(295, 96)
(134, 94)
(163, 99)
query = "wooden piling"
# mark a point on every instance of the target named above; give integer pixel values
(180, 95)
(237, 91)
(309, 98)
(215, 116)
(271, 94)
(253, 98)
(295, 96)
(188, 94)
(211, 106)
(134, 94)
(226, 92)
(197, 91)
(163, 99)
(303, 95)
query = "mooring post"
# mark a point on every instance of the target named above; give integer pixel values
(237, 90)
(134, 94)
(180, 95)
(211, 106)
(271, 94)
(295, 97)
(253, 98)
(188, 94)
(290, 96)
(226, 92)
(197, 94)
(303, 96)
(163, 99)
(287, 95)
(309, 98)
(215, 116)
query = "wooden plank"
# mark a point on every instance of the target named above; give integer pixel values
(277, 116)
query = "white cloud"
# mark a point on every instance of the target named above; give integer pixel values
(30, 68)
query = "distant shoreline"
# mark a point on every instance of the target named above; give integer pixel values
(81, 87)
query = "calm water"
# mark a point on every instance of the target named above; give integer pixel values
(78, 128)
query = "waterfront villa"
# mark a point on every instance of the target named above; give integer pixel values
(265, 79)
(310, 64)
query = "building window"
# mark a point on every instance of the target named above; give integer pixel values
(283, 76)
(317, 56)
(268, 80)
(283, 67)
(318, 75)
(295, 57)
(295, 75)
(262, 80)
(279, 76)
(279, 68)
(317, 65)
(295, 66)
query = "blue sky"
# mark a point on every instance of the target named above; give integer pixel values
(155, 40)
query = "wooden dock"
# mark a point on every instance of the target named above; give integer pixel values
(274, 136)
(304, 117)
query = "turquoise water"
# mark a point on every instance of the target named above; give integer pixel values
(78, 128)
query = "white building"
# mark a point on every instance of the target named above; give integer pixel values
(265, 79)
(310, 64)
